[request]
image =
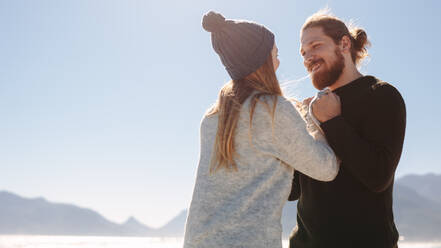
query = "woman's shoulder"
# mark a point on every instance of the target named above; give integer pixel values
(284, 107)
(286, 102)
(287, 108)
(209, 119)
(282, 100)
(282, 103)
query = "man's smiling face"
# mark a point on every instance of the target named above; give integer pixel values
(321, 57)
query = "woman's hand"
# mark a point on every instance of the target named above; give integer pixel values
(326, 107)
(307, 101)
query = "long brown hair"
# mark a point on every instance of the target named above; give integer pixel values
(336, 29)
(228, 106)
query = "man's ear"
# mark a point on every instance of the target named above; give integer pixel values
(345, 44)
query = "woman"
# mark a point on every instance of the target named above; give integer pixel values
(252, 140)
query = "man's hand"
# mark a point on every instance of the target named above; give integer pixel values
(326, 107)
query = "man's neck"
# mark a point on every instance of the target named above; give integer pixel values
(348, 75)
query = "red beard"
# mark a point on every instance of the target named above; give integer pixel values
(327, 77)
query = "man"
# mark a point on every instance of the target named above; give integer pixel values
(364, 122)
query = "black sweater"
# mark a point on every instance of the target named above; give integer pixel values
(355, 210)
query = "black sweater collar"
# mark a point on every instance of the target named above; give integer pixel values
(356, 87)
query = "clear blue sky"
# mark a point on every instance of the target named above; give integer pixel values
(101, 100)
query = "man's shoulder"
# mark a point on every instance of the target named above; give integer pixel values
(379, 87)
(385, 92)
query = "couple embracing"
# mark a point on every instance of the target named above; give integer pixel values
(335, 153)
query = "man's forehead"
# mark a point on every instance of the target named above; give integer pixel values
(310, 35)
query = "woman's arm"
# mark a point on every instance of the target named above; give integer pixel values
(296, 147)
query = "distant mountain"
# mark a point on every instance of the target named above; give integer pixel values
(416, 217)
(417, 212)
(175, 227)
(417, 206)
(133, 227)
(428, 185)
(38, 216)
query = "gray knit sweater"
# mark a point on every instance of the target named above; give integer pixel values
(243, 208)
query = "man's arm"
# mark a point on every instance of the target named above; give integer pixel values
(373, 158)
